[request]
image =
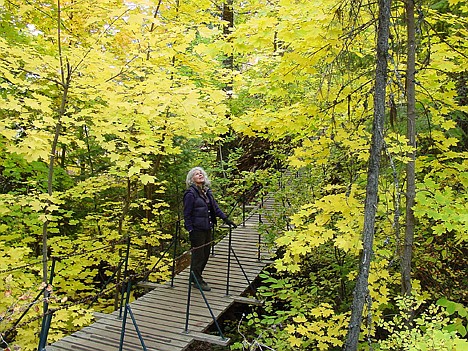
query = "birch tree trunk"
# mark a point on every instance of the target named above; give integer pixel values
(361, 291)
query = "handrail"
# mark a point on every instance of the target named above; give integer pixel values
(242, 269)
(30, 305)
(127, 254)
(119, 266)
(173, 242)
(229, 261)
(260, 221)
(176, 239)
(231, 249)
(191, 277)
(124, 321)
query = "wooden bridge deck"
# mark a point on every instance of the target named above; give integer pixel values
(161, 313)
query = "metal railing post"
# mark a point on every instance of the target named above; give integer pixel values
(243, 209)
(229, 261)
(187, 312)
(192, 275)
(47, 318)
(136, 328)
(176, 239)
(242, 269)
(124, 320)
(128, 310)
(213, 232)
(127, 254)
(260, 221)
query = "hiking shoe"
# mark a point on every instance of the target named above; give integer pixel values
(203, 285)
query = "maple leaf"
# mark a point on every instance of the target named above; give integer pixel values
(146, 178)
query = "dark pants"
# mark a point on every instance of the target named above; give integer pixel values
(201, 248)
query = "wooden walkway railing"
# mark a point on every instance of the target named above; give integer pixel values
(160, 315)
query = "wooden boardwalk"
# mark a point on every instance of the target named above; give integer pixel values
(161, 314)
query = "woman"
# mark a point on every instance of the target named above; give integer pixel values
(200, 212)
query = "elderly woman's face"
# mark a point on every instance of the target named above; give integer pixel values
(198, 178)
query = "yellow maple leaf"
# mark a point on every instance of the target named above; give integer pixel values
(300, 319)
(146, 178)
(294, 341)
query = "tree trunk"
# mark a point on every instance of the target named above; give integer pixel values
(228, 17)
(228, 63)
(407, 250)
(65, 84)
(361, 291)
(66, 72)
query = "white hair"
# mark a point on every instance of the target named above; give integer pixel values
(189, 180)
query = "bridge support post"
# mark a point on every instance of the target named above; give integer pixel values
(193, 278)
(229, 261)
(175, 240)
(47, 318)
(124, 321)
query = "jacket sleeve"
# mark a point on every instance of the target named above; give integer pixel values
(188, 208)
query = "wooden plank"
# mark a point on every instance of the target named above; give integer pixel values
(219, 262)
(115, 333)
(170, 341)
(215, 297)
(218, 266)
(99, 315)
(172, 301)
(248, 301)
(199, 317)
(199, 313)
(237, 280)
(212, 339)
(217, 280)
(168, 332)
(163, 331)
(177, 333)
(92, 337)
(53, 348)
(72, 343)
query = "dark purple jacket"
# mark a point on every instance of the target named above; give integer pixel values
(196, 211)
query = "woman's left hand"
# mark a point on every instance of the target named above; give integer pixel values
(230, 223)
